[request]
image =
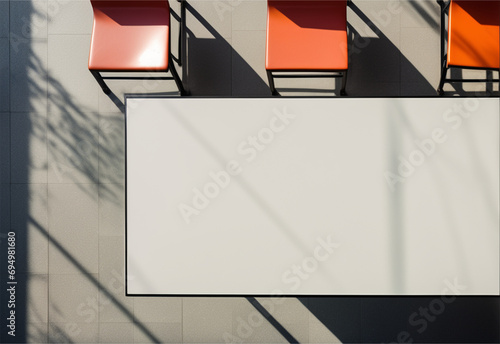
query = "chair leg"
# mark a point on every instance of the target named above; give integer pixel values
(271, 83)
(100, 81)
(179, 54)
(344, 82)
(182, 30)
(178, 81)
(444, 70)
(443, 46)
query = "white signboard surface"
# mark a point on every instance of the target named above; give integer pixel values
(341, 196)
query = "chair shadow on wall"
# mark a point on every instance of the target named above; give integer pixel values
(213, 68)
(376, 61)
(377, 66)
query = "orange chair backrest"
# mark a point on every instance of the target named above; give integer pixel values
(474, 38)
(128, 12)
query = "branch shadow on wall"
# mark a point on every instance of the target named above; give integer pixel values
(81, 147)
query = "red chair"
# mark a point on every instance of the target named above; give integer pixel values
(305, 36)
(473, 37)
(131, 36)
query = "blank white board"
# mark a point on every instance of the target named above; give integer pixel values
(294, 196)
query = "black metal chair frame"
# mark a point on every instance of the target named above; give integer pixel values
(175, 76)
(337, 74)
(445, 5)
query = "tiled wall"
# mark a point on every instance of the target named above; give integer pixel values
(62, 171)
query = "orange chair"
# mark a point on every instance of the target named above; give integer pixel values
(305, 36)
(473, 37)
(131, 36)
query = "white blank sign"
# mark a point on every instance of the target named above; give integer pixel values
(312, 196)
